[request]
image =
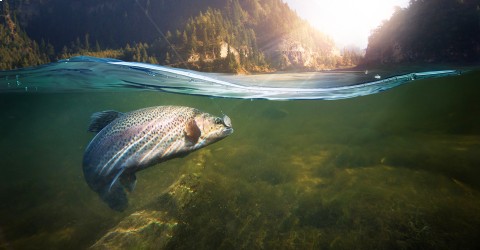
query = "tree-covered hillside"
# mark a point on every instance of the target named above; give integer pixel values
(428, 31)
(209, 35)
(16, 48)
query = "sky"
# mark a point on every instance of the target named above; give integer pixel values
(348, 22)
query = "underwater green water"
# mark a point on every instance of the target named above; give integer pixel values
(395, 170)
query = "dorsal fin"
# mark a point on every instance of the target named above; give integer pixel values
(101, 119)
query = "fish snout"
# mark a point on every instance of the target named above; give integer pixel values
(228, 131)
(227, 121)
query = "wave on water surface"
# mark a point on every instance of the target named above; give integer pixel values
(91, 74)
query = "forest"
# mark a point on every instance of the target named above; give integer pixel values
(237, 36)
(428, 31)
(212, 35)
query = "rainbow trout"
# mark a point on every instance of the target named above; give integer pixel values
(130, 142)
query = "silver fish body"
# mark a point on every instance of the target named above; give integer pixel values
(127, 143)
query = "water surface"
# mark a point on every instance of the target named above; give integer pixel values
(394, 169)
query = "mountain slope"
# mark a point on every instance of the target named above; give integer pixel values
(210, 35)
(428, 31)
(17, 49)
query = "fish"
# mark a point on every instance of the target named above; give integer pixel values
(126, 143)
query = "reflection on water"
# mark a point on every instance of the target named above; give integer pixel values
(394, 170)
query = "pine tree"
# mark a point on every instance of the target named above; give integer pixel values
(87, 42)
(97, 46)
(167, 58)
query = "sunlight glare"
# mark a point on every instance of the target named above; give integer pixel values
(348, 22)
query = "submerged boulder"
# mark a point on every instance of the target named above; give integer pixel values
(157, 223)
(142, 229)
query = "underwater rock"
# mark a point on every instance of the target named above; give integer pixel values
(142, 229)
(154, 226)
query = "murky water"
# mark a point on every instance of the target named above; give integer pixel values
(393, 170)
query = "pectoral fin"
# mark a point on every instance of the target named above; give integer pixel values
(129, 181)
(192, 132)
(115, 197)
(117, 176)
(114, 194)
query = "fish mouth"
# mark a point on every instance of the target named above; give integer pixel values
(228, 131)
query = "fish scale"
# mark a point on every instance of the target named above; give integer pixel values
(130, 142)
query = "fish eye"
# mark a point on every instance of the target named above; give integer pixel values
(218, 120)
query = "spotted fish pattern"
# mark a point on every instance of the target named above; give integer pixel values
(130, 142)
